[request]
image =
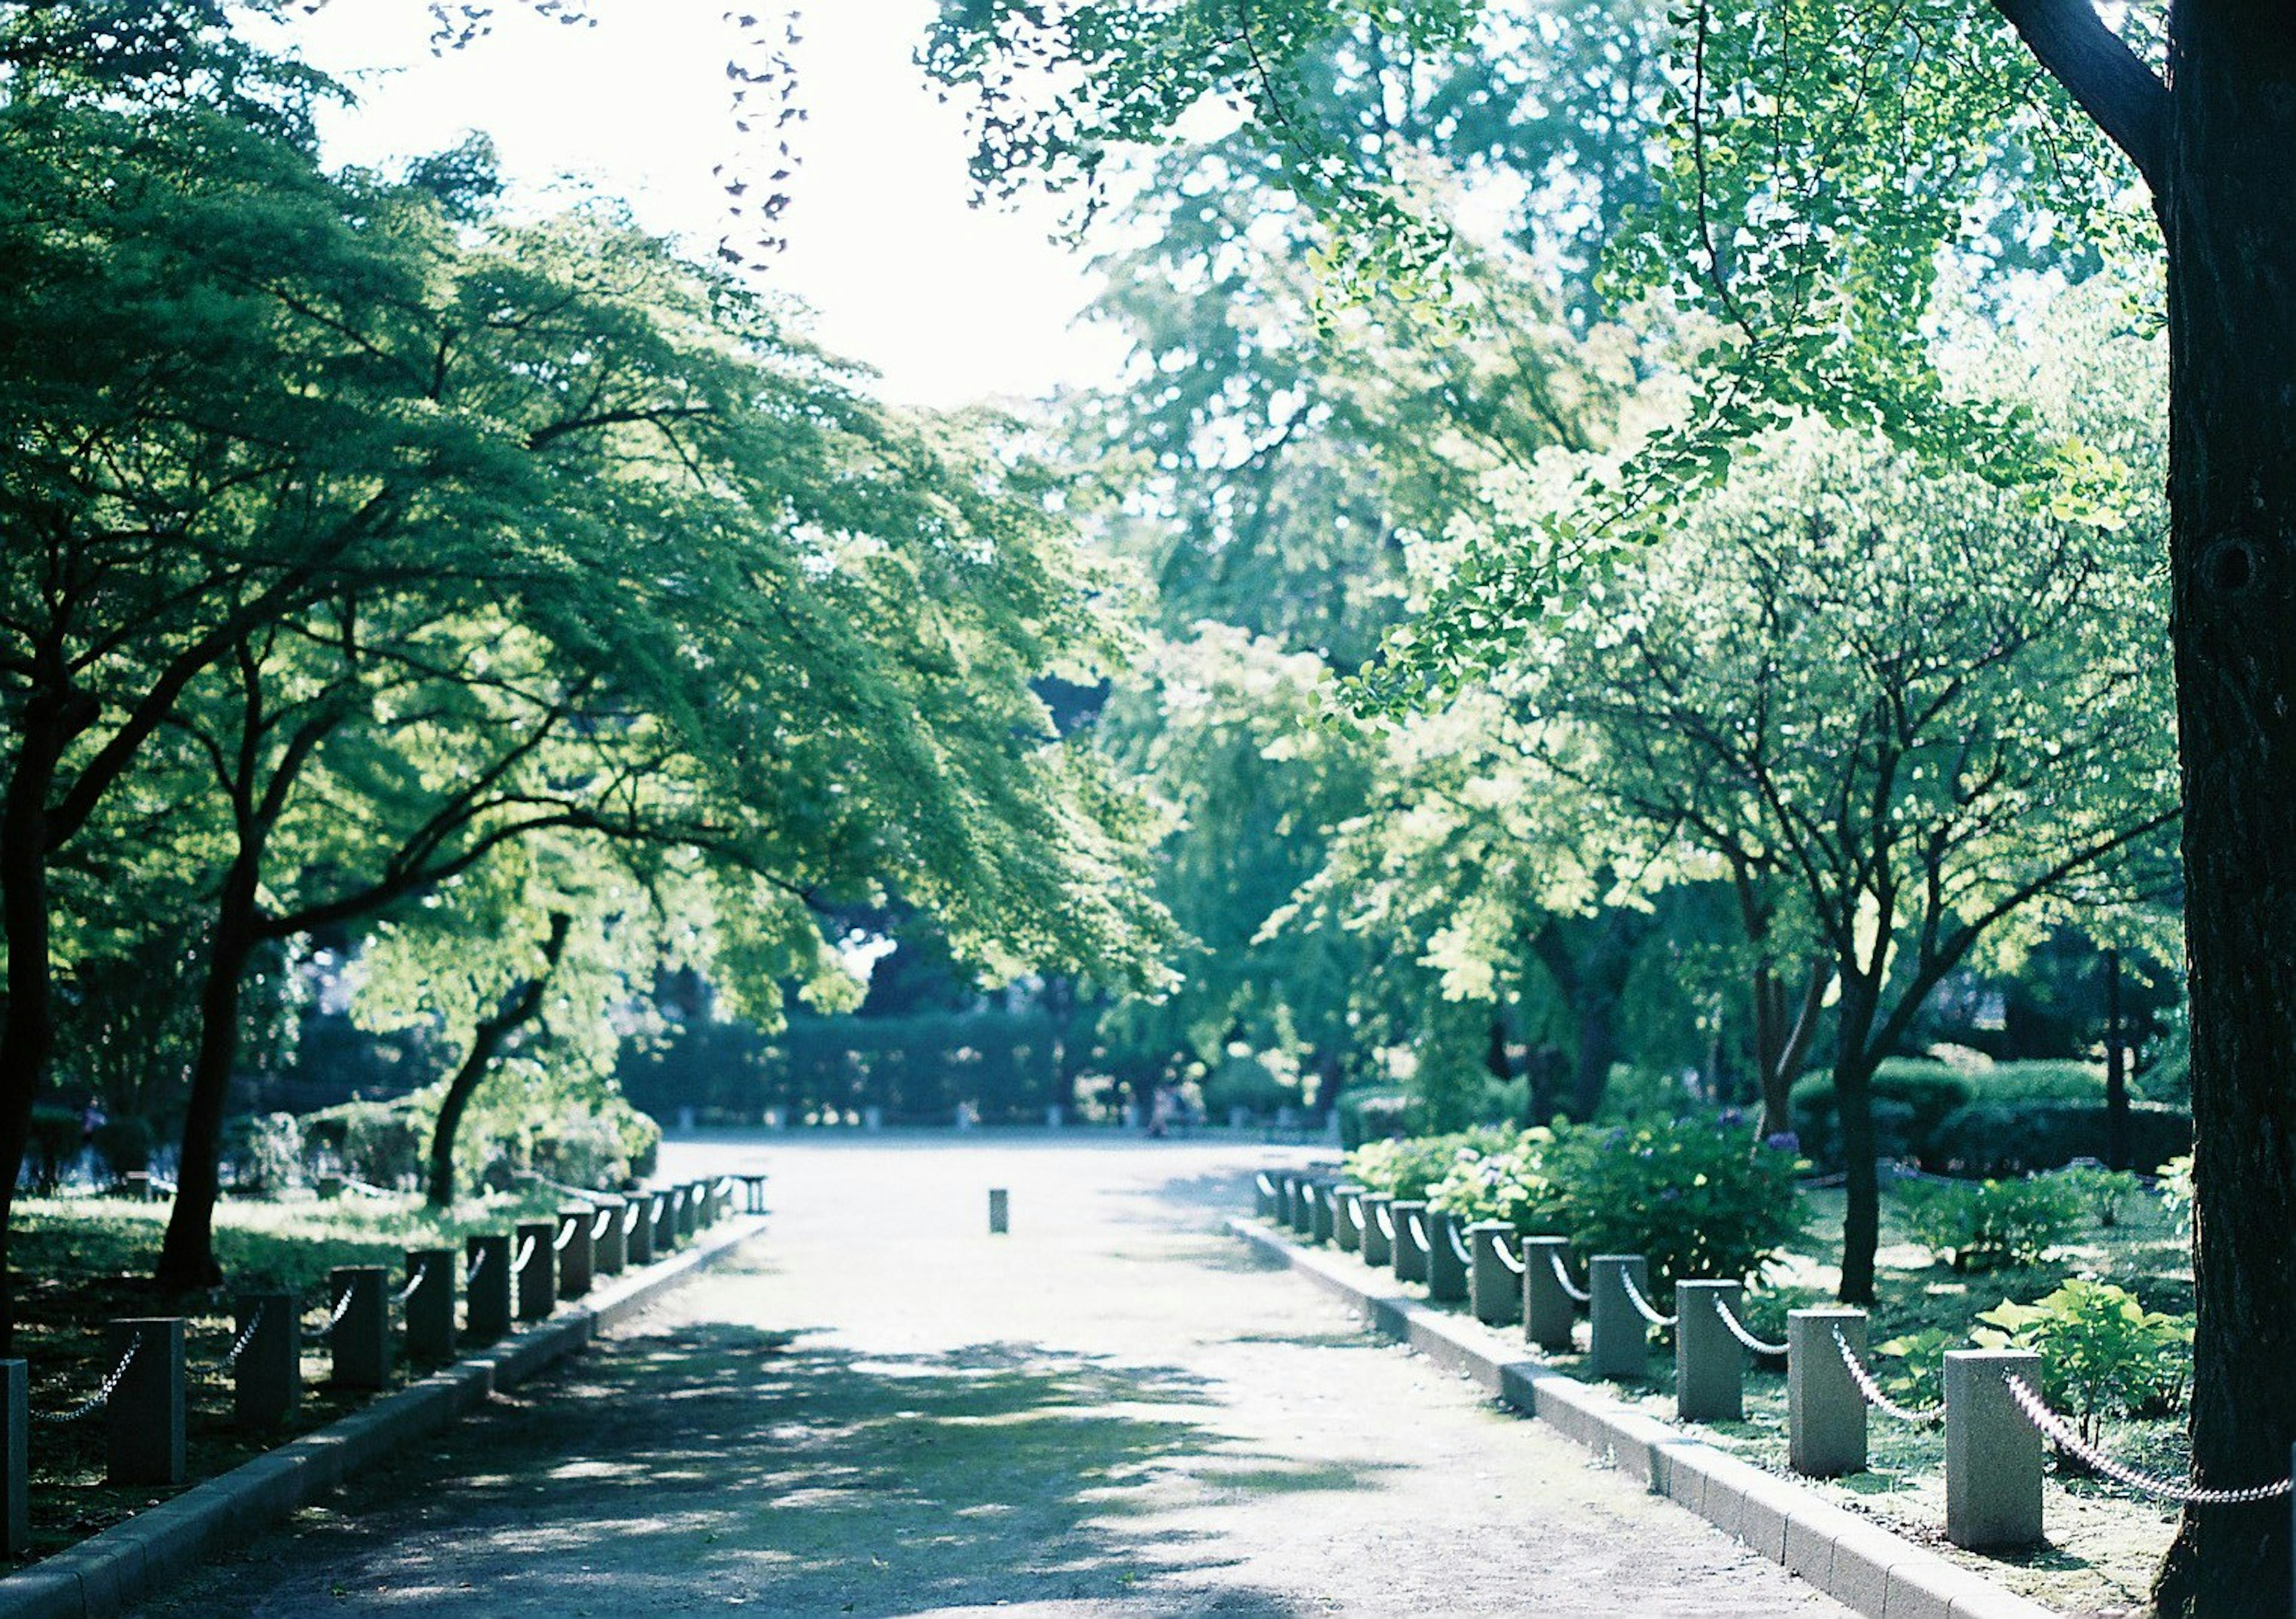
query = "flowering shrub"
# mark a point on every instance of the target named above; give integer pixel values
(1694, 1195)
(1511, 1184)
(1408, 1168)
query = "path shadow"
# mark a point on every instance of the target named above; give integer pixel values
(720, 1467)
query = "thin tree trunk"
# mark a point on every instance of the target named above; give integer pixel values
(1861, 1213)
(518, 1007)
(2231, 230)
(187, 1259)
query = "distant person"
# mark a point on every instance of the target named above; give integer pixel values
(1163, 1111)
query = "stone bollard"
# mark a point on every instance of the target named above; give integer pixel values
(429, 1304)
(1549, 1310)
(753, 1186)
(1410, 1234)
(1347, 1218)
(488, 1287)
(1993, 1452)
(1826, 1415)
(609, 1237)
(1287, 1198)
(15, 1457)
(145, 1418)
(328, 1187)
(689, 1211)
(1264, 1194)
(666, 1222)
(535, 1262)
(1321, 1211)
(359, 1296)
(1617, 1338)
(1447, 1258)
(1709, 1363)
(574, 1251)
(1000, 1211)
(1378, 1239)
(1494, 1289)
(637, 1223)
(267, 1379)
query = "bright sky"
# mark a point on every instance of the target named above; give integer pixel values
(952, 304)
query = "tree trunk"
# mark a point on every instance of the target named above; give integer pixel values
(1861, 1213)
(519, 1006)
(2116, 1069)
(187, 1259)
(2231, 233)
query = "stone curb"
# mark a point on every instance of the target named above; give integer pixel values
(104, 1573)
(1852, 1559)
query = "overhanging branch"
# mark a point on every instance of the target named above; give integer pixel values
(2102, 73)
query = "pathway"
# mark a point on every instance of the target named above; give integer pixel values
(1112, 1413)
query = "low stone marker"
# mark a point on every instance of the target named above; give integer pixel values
(267, 1379)
(144, 1438)
(1993, 1453)
(1377, 1221)
(489, 1286)
(1494, 1287)
(1287, 1198)
(15, 1460)
(135, 1185)
(609, 1237)
(666, 1220)
(1825, 1414)
(1617, 1340)
(535, 1262)
(1447, 1258)
(1000, 1211)
(430, 1290)
(1347, 1218)
(1549, 1310)
(1265, 1193)
(359, 1297)
(638, 1226)
(754, 1185)
(1709, 1362)
(689, 1211)
(1411, 1233)
(573, 1245)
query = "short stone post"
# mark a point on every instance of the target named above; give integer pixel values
(1321, 1208)
(573, 1245)
(15, 1460)
(1549, 1310)
(144, 1441)
(1494, 1291)
(1617, 1338)
(1347, 1218)
(328, 1187)
(361, 1336)
(1265, 1194)
(1993, 1452)
(689, 1212)
(536, 1263)
(1709, 1363)
(429, 1304)
(136, 1183)
(267, 1379)
(666, 1220)
(1410, 1234)
(1447, 1258)
(637, 1223)
(1826, 1415)
(1378, 1218)
(1000, 1211)
(488, 1287)
(609, 1237)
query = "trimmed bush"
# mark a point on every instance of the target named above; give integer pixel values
(267, 1152)
(1694, 1196)
(382, 1143)
(2008, 1138)
(1984, 1225)
(1910, 1100)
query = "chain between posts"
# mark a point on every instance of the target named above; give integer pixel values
(1738, 1330)
(1570, 1290)
(565, 1235)
(342, 1308)
(1386, 1222)
(525, 1257)
(1508, 1257)
(102, 1397)
(1642, 1306)
(1418, 1232)
(476, 1267)
(1457, 1247)
(414, 1283)
(1267, 1184)
(629, 1217)
(603, 1224)
(246, 1336)
(1351, 1211)
(1927, 1416)
(2061, 1434)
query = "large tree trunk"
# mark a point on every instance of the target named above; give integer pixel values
(1861, 1211)
(2231, 227)
(187, 1259)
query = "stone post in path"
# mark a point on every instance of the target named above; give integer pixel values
(536, 1262)
(1617, 1338)
(1347, 1218)
(15, 1460)
(1000, 1211)
(1709, 1363)
(1411, 1233)
(1993, 1452)
(1494, 1287)
(429, 1304)
(1378, 1221)
(1826, 1413)
(144, 1441)
(1447, 1258)
(608, 1236)
(573, 1245)
(1549, 1310)
(638, 1224)
(267, 1379)
(359, 1298)
(489, 1287)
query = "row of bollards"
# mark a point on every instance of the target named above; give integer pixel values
(507, 1278)
(1994, 1452)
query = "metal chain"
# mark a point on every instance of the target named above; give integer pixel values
(342, 1309)
(1739, 1331)
(629, 1217)
(1267, 1185)
(102, 1397)
(476, 1267)
(414, 1283)
(1575, 1295)
(2061, 1433)
(246, 1336)
(525, 1257)
(565, 1235)
(1418, 1232)
(1508, 1257)
(1457, 1247)
(1925, 1415)
(1642, 1306)
(603, 1224)
(1386, 1222)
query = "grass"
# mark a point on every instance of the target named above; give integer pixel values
(82, 1262)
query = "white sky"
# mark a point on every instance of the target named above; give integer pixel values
(952, 304)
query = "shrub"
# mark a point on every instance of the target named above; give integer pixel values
(1910, 1367)
(1766, 1307)
(584, 1151)
(1694, 1196)
(1984, 1225)
(1371, 1115)
(381, 1144)
(268, 1157)
(2038, 1080)
(1910, 1100)
(2102, 1192)
(1511, 1184)
(1410, 1167)
(2102, 1354)
(2175, 1192)
(124, 1144)
(56, 1142)
(2006, 1137)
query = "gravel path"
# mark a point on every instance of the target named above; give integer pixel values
(1112, 1413)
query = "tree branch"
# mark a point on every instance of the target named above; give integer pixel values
(2117, 90)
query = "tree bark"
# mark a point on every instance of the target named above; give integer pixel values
(187, 1259)
(2231, 230)
(1861, 1211)
(518, 1007)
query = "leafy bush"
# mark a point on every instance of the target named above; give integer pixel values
(1371, 1115)
(1765, 1306)
(56, 1142)
(1694, 1196)
(1984, 1225)
(124, 1144)
(2038, 1080)
(1998, 1138)
(382, 1143)
(1910, 1100)
(267, 1153)
(2102, 1192)
(2102, 1354)
(1910, 1367)
(1407, 1168)
(2175, 1192)
(584, 1151)
(1511, 1184)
